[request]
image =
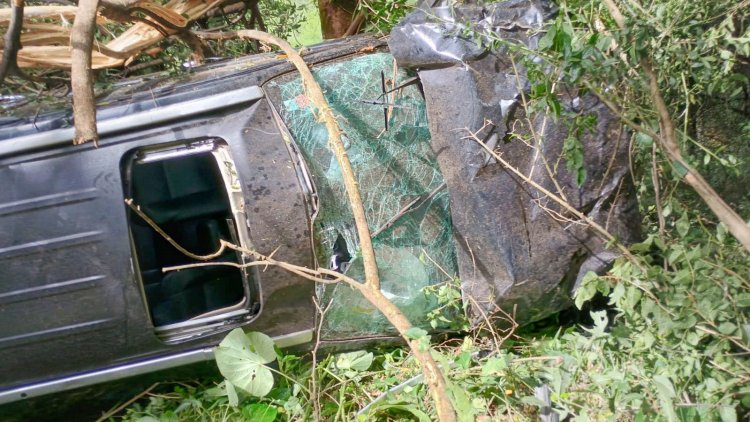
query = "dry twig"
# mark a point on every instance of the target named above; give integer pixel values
(314, 388)
(134, 399)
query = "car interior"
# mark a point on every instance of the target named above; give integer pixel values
(184, 193)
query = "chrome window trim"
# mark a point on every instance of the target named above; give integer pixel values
(219, 315)
(206, 323)
(133, 369)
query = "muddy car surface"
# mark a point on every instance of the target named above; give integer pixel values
(232, 151)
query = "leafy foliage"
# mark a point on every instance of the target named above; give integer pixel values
(382, 15)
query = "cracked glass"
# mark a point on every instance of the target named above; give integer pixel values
(403, 192)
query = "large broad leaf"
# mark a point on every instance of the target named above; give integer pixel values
(241, 360)
(261, 345)
(256, 343)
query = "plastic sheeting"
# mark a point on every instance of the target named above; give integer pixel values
(395, 168)
(444, 35)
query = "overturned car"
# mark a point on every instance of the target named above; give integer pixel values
(234, 151)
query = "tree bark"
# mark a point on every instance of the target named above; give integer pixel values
(81, 75)
(336, 17)
(9, 65)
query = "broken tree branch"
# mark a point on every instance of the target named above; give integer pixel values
(81, 75)
(370, 289)
(667, 141)
(325, 114)
(356, 24)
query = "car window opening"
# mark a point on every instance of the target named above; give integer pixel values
(188, 192)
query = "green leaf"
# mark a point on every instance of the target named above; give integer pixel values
(546, 41)
(234, 400)
(743, 300)
(263, 346)
(241, 366)
(728, 413)
(357, 361)
(587, 289)
(533, 401)
(664, 386)
(554, 105)
(410, 408)
(683, 225)
(463, 360)
(462, 403)
(600, 323)
(257, 343)
(721, 232)
(260, 412)
(494, 366)
(745, 333)
(727, 328)
(643, 140)
(169, 416)
(574, 159)
(415, 333)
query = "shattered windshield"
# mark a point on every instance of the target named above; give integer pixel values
(388, 143)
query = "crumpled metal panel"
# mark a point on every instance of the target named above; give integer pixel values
(394, 168)
(515, 250)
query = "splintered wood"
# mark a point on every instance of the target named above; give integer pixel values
(46, 38)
